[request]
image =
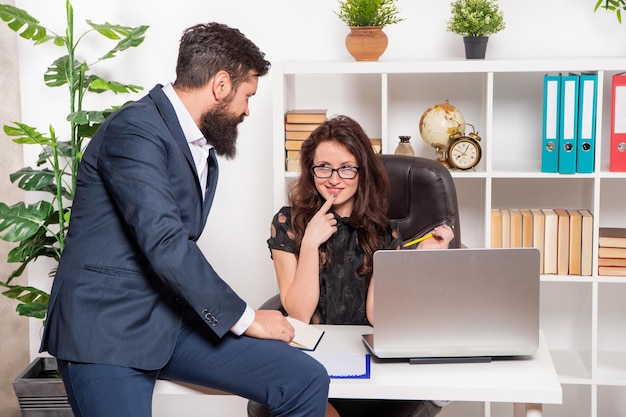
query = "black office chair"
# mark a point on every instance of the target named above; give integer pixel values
(422, 196)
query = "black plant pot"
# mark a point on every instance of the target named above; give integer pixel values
(475, 46)
(40, 391)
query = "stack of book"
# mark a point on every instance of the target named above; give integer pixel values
(612, 251)
(298, 126)
(563, 237)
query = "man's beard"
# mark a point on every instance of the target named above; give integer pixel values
(219, 127)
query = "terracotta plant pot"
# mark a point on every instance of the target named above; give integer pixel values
(366, 43)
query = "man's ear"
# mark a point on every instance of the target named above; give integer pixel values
(222, 85)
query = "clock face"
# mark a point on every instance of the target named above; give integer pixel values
(464, 153)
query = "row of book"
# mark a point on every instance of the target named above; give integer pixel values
(298, 126)
(612, 251)
(563, 237)
(569, 123)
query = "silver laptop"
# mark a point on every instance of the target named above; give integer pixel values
(455, 304)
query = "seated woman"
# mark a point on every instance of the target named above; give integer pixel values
(322, 245)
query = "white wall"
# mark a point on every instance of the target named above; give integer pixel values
(234, 240)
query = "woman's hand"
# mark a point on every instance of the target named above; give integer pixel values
(321, 226)
(442, 236)
(298, 278)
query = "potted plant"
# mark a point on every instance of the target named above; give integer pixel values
(39, 229)
(612, 6)
(475, 20)
(366, 19)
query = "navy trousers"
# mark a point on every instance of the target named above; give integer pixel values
(267, 371)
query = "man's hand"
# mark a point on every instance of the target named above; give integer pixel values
(270, 324)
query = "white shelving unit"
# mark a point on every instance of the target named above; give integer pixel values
(583, 318)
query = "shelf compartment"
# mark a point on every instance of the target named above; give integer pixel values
(576, 403)
(470, 193)
(410, 95)
(611, 368)
(570, 366)
(338, 94)
(566, 311)
(611, 333)
(517, 120)
(612, 203)
(561, 192)
(611, 401)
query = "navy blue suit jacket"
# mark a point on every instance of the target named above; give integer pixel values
(131, 264)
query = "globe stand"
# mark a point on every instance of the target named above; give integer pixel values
(440, 149)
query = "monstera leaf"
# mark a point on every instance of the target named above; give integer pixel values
(19, 222)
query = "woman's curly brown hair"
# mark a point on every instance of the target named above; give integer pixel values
(370, 201)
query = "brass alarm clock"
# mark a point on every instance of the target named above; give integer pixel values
(464, 151)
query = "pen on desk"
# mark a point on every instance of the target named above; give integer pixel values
(418, 240)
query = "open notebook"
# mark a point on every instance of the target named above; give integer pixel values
(306, 337)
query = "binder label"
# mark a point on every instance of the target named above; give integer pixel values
(587, 103)
(552, 110)
(569, 110)
(619, 125)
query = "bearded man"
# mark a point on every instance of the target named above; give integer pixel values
(134, 298)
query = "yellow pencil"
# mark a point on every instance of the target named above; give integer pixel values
(418, 240)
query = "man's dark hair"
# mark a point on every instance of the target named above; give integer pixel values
(206, 49)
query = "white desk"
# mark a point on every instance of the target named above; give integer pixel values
(528, 381)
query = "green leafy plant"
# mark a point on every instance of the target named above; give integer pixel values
(615, 6)
(40, 228)
(368, 12)
(475, 18)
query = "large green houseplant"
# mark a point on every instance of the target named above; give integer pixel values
(475, 20)
(366, 19)
(39, 229)
(615, 6)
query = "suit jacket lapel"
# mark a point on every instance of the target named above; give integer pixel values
(169, 116)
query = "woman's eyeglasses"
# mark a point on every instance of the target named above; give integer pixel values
(345, 172)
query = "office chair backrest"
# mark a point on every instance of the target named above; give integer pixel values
(422, 195)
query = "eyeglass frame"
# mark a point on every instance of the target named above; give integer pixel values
(346, 168)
